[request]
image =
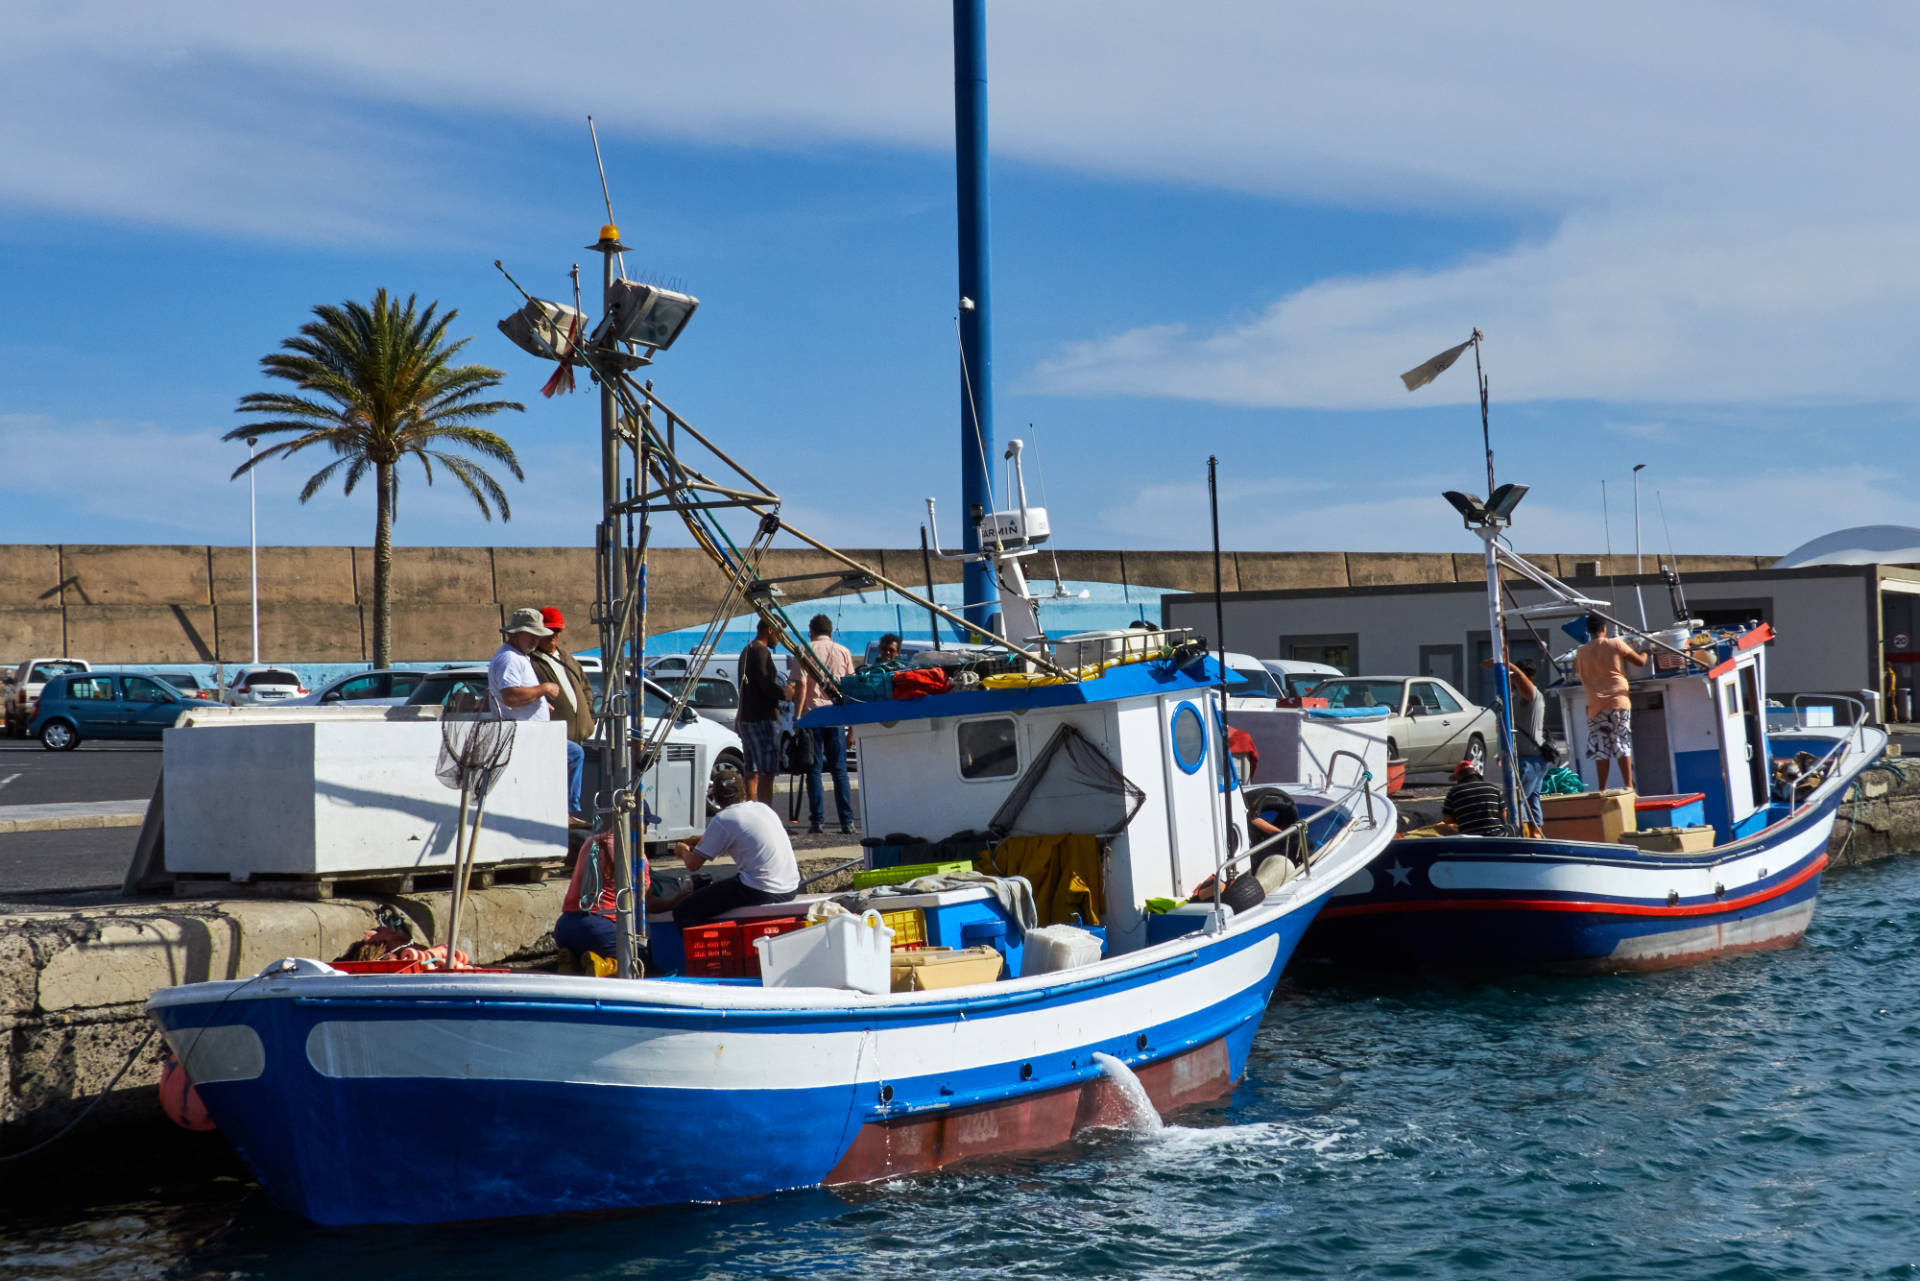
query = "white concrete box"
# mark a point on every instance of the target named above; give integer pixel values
(336, 795)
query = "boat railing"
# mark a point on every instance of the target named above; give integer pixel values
(1800, 700)
(1362, 785)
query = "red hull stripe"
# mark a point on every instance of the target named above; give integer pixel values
(1031, 1123)
(1594, 906)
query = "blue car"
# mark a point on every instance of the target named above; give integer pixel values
(99, 704)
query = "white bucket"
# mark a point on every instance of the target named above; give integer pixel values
(841, 951)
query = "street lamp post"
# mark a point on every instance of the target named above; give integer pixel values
(253, 543)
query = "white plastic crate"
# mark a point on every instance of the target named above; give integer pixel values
(841, 951)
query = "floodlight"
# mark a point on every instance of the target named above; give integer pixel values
(645, 314)
(1502, 501)
(544, 329)
(1471, 509)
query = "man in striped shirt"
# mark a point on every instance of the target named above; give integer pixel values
(1474, 806)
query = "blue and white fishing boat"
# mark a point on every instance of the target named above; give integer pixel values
(425, 1097)
(1745, 874)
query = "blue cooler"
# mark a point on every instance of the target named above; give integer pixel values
(1682, 809)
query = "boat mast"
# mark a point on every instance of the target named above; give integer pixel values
(1496, 616)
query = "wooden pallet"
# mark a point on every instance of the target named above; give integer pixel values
(362, 884)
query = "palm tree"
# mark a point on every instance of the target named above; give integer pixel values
(375, 385)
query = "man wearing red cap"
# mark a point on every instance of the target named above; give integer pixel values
(574, 706)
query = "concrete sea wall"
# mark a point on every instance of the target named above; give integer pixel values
(191, 604)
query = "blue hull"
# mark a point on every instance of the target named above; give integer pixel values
(379, 1099)
(1504, 902)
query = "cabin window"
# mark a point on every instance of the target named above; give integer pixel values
(988, 749)
(1189, 735)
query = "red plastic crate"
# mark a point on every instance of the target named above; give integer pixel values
(767, 928)
(409, 967)
(713, 951)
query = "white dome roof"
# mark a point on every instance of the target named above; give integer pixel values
(1861, 545)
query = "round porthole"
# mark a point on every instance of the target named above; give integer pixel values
(1189, 738)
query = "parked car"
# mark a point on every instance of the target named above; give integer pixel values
(28, 680)
(1298, 677)
(696, 748)
(714, 697)
(382, 688)
(263, 686)
(187, 683)
(75, 706)
(662, 666)
(1250, 685)
(1429, 722)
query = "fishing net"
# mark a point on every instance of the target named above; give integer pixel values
(473, 752)
(1072, 786)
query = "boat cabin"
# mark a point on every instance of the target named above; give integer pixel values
(1036, 755)
(1699, 725)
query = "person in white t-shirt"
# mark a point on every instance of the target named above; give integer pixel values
(517, 693)
(751, 834)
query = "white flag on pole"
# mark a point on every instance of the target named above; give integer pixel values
(1420, 375)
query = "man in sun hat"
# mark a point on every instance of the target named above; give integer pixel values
(517, 693)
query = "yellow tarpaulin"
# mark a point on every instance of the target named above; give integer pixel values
(1065, 872)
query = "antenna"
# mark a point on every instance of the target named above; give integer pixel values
(605, 194)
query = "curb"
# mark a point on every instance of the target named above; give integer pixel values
(72, 822)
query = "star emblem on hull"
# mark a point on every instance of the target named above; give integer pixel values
(1399, 874)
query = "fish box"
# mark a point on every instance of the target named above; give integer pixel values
(841, 951)
(938, 967)
(1672, 840)
(1684, 809)
(1050, 949)
(1589, 816)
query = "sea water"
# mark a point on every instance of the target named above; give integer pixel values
(1757, 1117)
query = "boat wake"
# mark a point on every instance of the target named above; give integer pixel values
(1137, 1112)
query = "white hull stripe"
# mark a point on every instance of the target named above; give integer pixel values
(555, 1049)
(1591, 880)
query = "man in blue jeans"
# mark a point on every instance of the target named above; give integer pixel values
(830, 742)
(1529, 741)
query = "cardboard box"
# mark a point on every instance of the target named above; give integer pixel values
(1589, 816)
(1672, 840)
(937, 967)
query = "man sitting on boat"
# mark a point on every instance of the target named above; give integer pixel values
(1601, 664)
(752, 835)
(1474, 806)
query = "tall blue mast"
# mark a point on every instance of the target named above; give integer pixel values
(976, 332)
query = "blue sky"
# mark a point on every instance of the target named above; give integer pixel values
(1217, 228)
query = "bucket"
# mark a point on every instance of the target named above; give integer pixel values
(1665, 660)
(1396, 775)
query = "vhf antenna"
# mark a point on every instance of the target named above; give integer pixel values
(605, 194)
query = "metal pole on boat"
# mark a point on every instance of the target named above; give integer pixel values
(976, 333)
(1638, 599)
(616, 741)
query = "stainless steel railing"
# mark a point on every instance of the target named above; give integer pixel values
(1360, 785)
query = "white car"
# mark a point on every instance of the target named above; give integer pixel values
(387, 688)
(694, 751)
(1250, 686)
(1429, 722)
(263, 687)
(28, 680)
(662, 666)
(1297, 676)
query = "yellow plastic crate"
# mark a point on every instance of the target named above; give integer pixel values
(909, 927)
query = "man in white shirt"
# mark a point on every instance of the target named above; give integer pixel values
(754, 837)
(517, 693)
(829, 742)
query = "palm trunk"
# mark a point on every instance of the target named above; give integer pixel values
(383, 566)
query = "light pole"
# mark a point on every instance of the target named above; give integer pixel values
(1641, 600)
(253, 546)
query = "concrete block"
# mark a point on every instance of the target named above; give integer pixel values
(162, 575)
(65, 1062)
(544, 576)
(130, 957)
(1708, 564)
(19, 975)
(35, 630)
(1614, 565)
(1280, 571)
(294, 632)
(1382, 569)
(141, 633)
(431, 575)
(1180, 571)
(1471, 567)
(1081, 566)
(29, 576)
(264, 931)
(455, 633)
(905, 568)
(288, 576)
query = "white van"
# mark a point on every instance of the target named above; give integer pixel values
(28, 680)
(1297, 677)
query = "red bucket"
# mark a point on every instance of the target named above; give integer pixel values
(1396, 775)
